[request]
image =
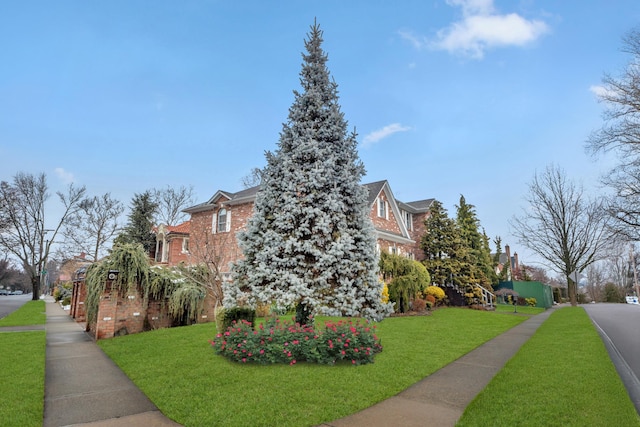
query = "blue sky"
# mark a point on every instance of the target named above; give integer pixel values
(451, 97)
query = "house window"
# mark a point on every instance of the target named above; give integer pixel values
(222, 221)
(185, 245)
(408, 220)
(393, 250)
(382, 208)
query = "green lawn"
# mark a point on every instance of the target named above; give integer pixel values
(180, 373)
(562, 376)
(22, 356)
(31, 313)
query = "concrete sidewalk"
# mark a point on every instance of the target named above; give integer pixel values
(83, 386)
(440, 399)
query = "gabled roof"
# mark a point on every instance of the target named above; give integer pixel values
(243, 196)
(374, 190)
(183, 228)
(419, 206)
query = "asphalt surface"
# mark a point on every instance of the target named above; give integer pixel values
(618, 327)
(10, 303)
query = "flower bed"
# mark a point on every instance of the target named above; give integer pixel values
(287, 342)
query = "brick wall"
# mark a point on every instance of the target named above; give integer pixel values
(78, 296)
(220, 247)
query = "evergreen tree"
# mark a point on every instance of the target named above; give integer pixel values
(477, 264)
(442, 247)
(139, 228)
(310, 241)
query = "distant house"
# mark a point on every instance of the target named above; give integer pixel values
(214, 224)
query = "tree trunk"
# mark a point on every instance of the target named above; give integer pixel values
(35, 284)
(572, 288)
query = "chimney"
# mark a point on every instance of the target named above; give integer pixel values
(509, 265)
(516, 263)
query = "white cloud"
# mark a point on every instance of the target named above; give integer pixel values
(602, 92)
(417, 41)
(380, 134)
(481, 28)
(64, 176)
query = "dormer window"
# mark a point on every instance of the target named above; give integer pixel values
(382, 208)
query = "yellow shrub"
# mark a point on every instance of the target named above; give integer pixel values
(436, 291)
(385, 294)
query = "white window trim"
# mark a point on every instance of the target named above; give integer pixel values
(383, 204)
(185, 245)
(408, 220)
(214, 224)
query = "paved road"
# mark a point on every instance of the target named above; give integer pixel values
(10, 303)
(618, 325)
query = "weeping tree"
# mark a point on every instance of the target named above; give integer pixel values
(310, 241)
(406, 279)
(135, 273)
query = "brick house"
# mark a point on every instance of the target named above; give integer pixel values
(172, 243)
(214, 224)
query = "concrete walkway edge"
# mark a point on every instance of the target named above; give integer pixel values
(440, 399)
(83, 386)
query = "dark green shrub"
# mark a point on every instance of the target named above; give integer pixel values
(304, 315)
(237, 314)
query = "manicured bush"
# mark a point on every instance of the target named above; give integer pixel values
(236, 314)
(436, 292)
(419, 304)
(286, 342)
(430, 298)
(531, 301)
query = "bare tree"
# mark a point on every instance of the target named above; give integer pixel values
(209, 258)
(92, 226)
(620, 134)
(253, 178)
(562, 226)
(22, 207)
(171, 203)
(10, 277)
(596, 279)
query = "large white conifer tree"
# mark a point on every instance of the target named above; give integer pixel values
(310, 241)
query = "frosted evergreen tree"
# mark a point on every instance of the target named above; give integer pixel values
(310, 242)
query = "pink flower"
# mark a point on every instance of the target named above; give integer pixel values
(244, 360)
(261, 351)
(353, 361)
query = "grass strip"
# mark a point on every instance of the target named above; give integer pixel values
(31, 313)
(177, 369)
(22, 378)
(562, 376)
